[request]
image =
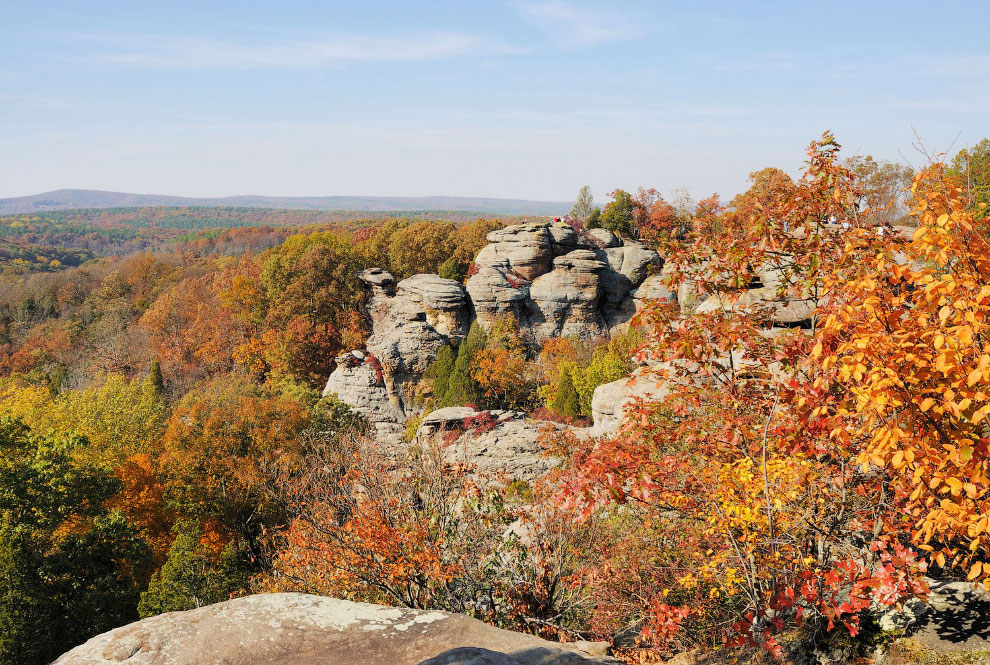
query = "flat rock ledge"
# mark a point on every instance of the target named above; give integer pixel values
(300, 629)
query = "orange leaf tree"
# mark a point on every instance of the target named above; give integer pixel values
(821, 413)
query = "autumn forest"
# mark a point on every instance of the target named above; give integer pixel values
(167, 442)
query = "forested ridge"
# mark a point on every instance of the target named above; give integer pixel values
(166, 443)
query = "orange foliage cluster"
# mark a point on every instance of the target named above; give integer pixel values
(796, 475)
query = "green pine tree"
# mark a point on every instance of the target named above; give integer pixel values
(440, 371)
(156, 377)
(566, 401)
(462, 389)
(454, 269)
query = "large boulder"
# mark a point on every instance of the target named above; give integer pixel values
(359, 383)
(630, 264)
(494, 443)
(954, 618)
(443, 301)
(556, 281)
(611, 402)
(566, 298)
(299, 629)
(526, 248)
(781, 310)
(495, 291)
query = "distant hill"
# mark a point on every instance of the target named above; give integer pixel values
(67, 199)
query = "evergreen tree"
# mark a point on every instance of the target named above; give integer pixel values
(595, 219)
(566, 400)
(440, 371)
(462, 389)
(453, 268)
(156, 378)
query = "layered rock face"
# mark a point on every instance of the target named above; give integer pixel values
(555, 282)
(411, 320)
(299, 629)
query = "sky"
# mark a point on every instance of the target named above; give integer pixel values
(513, 99)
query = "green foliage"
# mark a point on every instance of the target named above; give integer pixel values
(462, 388)
(607, 365)
(41, 484)
(193, 576)
(412, 426)
(619, 214)
(574, 377)
(566, 400)
(69, 568)
(454, 268)
(155, 377)
(441, 370)
(22, 630)
(329, 414)
(971, 169)
(595, 219)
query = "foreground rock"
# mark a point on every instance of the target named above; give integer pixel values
(299, 629)
(956, 618)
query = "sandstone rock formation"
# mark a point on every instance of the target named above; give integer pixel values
(299, 629)
(411, 320)
(611, 402)
(557, 282)
(553, 280)
(494, 443)
(359, 382)
(565, 300)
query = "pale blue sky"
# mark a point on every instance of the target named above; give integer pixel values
(522, 98)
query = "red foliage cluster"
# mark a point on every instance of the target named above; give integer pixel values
(543, 413)
(479, 423)
(372, 361)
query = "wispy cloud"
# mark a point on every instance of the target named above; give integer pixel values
(166, 52)
(569, 23)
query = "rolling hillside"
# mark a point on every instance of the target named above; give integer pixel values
(67, 199)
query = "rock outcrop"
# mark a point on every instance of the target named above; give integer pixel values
(299, 629)
(955, 618)
(359, 382)
(553, 280)
(611, 402)
(411, 320)
(493, 443)
(557, 282)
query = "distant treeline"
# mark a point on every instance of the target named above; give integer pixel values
(124, 231)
